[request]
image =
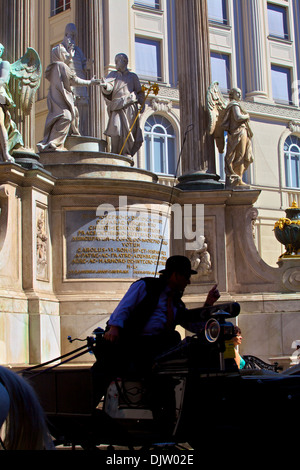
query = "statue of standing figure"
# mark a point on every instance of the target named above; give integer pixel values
(232, 118)
(78, 64)
(123, 92)
(63, 116)
(239, 148)
(27, 71)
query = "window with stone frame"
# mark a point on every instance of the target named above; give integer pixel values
(217, 11)
(58, 6)
(292, 161)
(153, 4)
(220, 70)
(148, 58)
(160, 145)
(277, 21)
(281, 84)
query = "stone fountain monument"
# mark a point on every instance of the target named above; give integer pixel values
(80, 226)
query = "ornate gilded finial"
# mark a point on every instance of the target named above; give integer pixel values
(294, 204)
(152, 87)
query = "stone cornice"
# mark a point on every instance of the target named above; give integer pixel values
(272, 110)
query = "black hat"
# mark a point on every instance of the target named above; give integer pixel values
(178, 263)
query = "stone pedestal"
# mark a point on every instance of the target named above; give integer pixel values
(109, 226)
(86, 158)
(199, 181)
(77, 143)
(29, 314)
(27, 159)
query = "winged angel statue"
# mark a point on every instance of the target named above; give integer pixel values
(27, 71)
(229, 116)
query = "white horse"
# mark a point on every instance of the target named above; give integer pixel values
(22, 419)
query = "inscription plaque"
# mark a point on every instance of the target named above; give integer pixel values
(118, 244)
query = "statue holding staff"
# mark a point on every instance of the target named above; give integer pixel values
(123, 93)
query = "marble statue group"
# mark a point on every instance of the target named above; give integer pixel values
(121, 89)
(124, 96)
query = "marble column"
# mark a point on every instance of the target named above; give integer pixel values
(253, 50)
(89, 23)
(193, 56)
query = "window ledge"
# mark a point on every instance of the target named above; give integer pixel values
(281, 104)
(145, 81)
(280, 40)
(216, 24)
(156, 11)
(59, 16)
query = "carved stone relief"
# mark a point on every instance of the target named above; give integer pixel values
(294, 126)
(161, 105)
(41, 244)
(200, 258)
(291, 278)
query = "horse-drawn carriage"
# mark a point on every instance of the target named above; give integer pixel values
(211, 395)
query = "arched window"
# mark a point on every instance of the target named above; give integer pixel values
(292, 161)
(159, 136)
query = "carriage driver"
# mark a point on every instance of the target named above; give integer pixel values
(156, 305)
(143, 324)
